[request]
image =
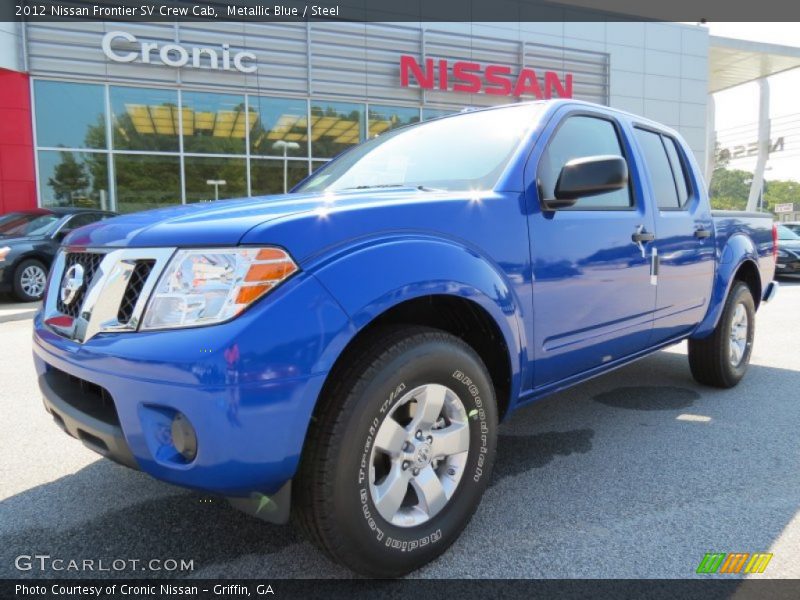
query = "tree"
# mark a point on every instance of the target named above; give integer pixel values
(69, 180)
(729, 188)
(780, 192)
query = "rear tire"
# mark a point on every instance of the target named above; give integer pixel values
(413, 417)
(721, 359)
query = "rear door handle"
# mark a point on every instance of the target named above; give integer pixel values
(702, 233)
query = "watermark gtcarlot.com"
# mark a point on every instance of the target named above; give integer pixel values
(45, 563)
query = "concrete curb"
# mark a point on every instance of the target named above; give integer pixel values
(19, 316)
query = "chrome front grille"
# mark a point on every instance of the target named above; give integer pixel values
(115, 285)
(134, 290)
(89, 261)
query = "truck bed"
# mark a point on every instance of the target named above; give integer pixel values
(755, 226)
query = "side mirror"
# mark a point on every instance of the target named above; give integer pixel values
(588, 176)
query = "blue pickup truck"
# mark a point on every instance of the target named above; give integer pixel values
(348, 349)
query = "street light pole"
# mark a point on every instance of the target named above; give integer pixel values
(285, 146)
(216, 183)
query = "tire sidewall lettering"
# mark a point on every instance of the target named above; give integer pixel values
(483, 447)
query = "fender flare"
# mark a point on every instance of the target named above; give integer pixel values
(376, 275)
(738, 250)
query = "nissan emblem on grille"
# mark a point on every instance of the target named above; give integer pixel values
(72, 283)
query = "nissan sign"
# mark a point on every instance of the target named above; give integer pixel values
(175, 55)
(472, 78)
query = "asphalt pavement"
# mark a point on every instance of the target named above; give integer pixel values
(637, 473)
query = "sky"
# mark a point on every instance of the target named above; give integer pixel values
(737, 108)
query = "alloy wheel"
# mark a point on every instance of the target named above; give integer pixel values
(419, 455)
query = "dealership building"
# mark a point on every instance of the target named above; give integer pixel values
(131, 115)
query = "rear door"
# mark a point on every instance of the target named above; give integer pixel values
(684, 236)
(593, 300)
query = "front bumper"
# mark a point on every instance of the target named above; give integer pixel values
(787, 266)
(248, 388)
(85, 416)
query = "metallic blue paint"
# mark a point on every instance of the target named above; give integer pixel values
(741, 239)
(569, 291)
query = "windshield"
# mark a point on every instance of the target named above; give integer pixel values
(22, 224)
(464, 152)
(784, 233)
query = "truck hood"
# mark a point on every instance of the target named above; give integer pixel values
(228, 222)
(220, 223)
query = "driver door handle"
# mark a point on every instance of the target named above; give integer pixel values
(642, 236)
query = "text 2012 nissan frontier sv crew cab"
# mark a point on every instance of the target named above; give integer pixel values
(351, 346)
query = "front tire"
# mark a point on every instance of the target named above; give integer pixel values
(399, 452)
(721, 359)
(30, 278)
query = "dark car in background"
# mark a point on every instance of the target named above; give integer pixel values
(793, 225)
(788, 251)
(28, 243)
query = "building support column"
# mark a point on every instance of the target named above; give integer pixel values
(17, 171)
(711, 139)
(757, 184)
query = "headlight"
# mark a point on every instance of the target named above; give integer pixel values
(4, 252)
(199, 287)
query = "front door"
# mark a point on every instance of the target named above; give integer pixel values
(593, 298)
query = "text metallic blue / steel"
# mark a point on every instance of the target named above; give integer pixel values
(570, 292)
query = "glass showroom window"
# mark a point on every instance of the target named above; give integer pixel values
(211, 178)
(144, 182)
(279, 127)
(213, 123)
(335, 127)
(434, 113)
(386, 118)
(144, 119)
(268, 176)
(70, 115)
(69, 178)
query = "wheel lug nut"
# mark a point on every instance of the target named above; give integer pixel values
(405, 465)
(429, 438)
(415, 472)
(407, 447)
(419, 435)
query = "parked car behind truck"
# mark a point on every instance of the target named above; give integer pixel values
(29, 240)
(352, 345)
(788, 251)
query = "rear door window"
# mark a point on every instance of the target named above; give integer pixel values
(659, 169)
(678, 169)
(82, 219)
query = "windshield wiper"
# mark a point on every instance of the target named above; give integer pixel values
(377, 185)
(422, 188)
